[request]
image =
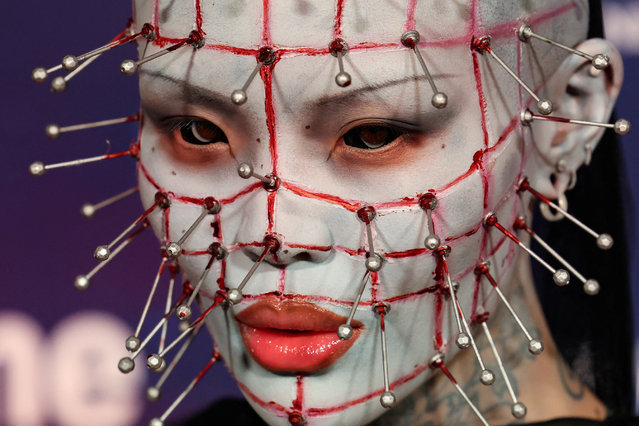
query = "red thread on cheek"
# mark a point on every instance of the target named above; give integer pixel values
(410, 15)
(271, 211)
(266, 21)
(339, 11)
(299, 400)
(198, 15)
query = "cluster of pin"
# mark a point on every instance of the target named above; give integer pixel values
(182, 308)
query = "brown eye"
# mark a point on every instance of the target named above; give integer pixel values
(201, 132)
(371, 137)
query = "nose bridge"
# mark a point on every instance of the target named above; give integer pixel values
(302, 234)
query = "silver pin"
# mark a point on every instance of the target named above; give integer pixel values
(535, 346)
(428, 202)
(561, 277)
(486, 377)
(209, 206)
(410, 39)
(104, 251)
(38, 168)
(463, 340)
(127, 364)
(437, 361)
(88, 210)
(599, 61)
(82, 281)
(339, 48)
(482, 44)
(345, 331)
(517, 409)
(155, 361)
(374, 261)
(604, 241)
(265, 56)
(271, 245)
(621, 126)
(40, 74)
(590, 286)
(133, 342)
(70, 62)
(153, 392)
(387, 398)
(173, 270)
(159, 421)
(195, 39)
(54, 131)
(217, 252)
(59, 84)
(270, 182)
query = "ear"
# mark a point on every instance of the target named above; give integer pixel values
(577, 91)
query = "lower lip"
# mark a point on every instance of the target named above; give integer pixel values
(295, 351)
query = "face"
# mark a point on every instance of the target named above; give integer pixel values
(331, 150)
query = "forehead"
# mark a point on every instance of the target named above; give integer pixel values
(294, 23)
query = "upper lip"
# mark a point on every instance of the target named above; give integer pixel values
(291, 314)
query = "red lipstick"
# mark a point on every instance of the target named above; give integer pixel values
(293, 335)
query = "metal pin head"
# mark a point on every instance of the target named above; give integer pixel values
(234, 296)
(296, 419)
(343, 79)
(439, 100)
(481, 44)
(218, 250)
(81, 282)
(518, 410)
(58, 84)
(410, 38)
(37, 168)
(374, 262)
(591, 287)
(132, 343)
(70, 62)
(102, 253)
(544, 106)
(126, 365)
(153, 393)
(338, 46)
(266, 55)
(387, 399)
(487, 377)
(381, 308)
(39, 75)
(344, 332)
(366, 214)
(156, 422)
(172, 250)
(622, 126)
(128, 67)
(162, 200)
(437, 360)
(154, 362)
(561, 277)
(87, 210)
(238, 97)
(600, 61)
(245, 170)
(524, 32)
(535, 347)
(183, 312)
(605, 241)
(52, 131)
(432, 242)
(463, 340)
(428, 201)
(526, 117)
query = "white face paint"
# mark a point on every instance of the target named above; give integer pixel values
(300, 125)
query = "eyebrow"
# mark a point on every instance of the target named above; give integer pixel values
(342, 97)
(197, 94)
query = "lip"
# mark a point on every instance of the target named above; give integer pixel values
(293, 335)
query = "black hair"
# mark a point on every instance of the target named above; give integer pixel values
(594, 333)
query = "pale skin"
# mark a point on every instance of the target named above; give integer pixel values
(466, 155)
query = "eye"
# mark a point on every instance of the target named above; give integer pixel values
(372, 136)
(201, 132)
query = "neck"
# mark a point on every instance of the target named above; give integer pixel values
(544, 383)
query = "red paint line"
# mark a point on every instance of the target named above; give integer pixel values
(339, 12)
(410, 15)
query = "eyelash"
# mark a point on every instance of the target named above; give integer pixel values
(196, 131)
(373, 136)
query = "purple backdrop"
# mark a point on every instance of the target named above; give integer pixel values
(47, 242)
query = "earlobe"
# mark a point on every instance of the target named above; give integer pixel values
(579, 92)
